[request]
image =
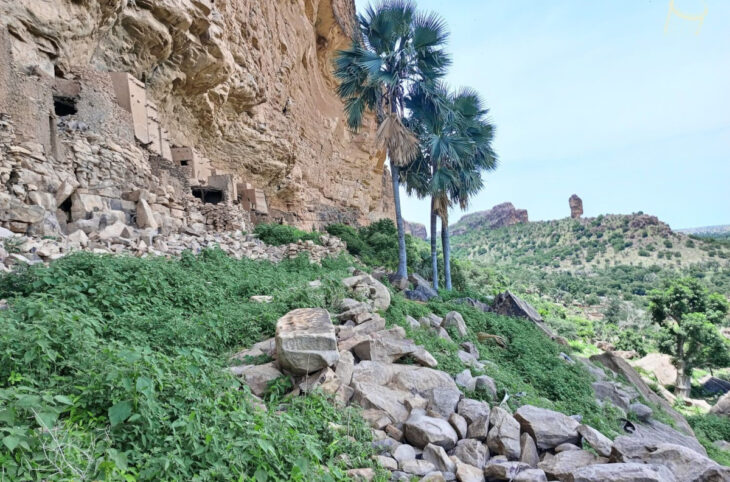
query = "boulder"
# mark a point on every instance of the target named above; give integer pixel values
(530, 475)
(621, 473)
(504, 436)
(423, 286)
(621, 367)
(716, 385)
(686, 464)
(644, 437)
(528, 450)
(306, 341)
(438, 457)
(614, 393)
(145, 216)
(403, 453)
(566, 447)
(465, 380)
(548, 428)
(661, 366)
(421, 430)
(345, 367)
(385, 346)
(508, 304)
(371, 288)
(600, 443)
(361, 475)
(722, 407)
(257, 377)
(503, 471)
(474, 303)
(469, 473)
(561, 465)
(370, 395)
(479, 428)
(472, 452)
(472, 409)
(459, 424)
(417, 467)
(641, 411)
(454, 318)
(486, 383)
(386, 462)
(443, 401)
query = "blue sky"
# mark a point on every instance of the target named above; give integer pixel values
(594, 98)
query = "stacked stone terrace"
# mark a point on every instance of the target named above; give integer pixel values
(83, 150)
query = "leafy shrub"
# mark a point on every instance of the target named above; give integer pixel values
(278, 234)
(710, 428)
(114, 368)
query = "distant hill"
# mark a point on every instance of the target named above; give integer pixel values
(588, 243)
(721, 232)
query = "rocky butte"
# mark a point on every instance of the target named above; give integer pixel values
(576, 206)
(499, 216)
(179, 114)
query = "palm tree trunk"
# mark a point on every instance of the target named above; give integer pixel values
(434, 249)
(402, 259)
(445, 241)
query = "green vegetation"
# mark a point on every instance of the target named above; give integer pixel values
(278, 234)
(689, 315)
(709, 428)
(114, 368)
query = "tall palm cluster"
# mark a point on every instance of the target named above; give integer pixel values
(438, 141)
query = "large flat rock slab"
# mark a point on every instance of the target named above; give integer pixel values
(306, 341)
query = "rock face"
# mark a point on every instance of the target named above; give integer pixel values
(576, 206)
(499, 216)
(661, 366)
(417, 230)
(305, 341)
(248, 84)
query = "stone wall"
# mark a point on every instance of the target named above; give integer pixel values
(247, 83)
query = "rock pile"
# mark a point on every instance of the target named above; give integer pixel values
(118, 238)
(425, 427)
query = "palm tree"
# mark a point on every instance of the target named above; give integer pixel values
(396, 48)
(456, 149)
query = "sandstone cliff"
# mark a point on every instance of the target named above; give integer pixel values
(247, 83)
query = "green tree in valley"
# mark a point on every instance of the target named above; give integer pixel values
(689, 317)
(396, 47)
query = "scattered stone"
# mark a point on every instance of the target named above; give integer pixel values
(528, 450)
(258, 377)
(503, 471)
(361, 475)
(472, 452)
(564, 463)
(479, 428)
(417, 467)
(262, 299)
(548, 428)
(469, 473)
(483, 382)
(437, 456)
(421, 430)
(459, 424)
(566, 447)
(622, 473)
(306, 341)
(472, 409)
(465, 380)
(722, 407)
(443, 401)
(386, 462)
(641, 411)
(454, 318)
(504, 436)
(530, 475)
(600, 443)
(403, 453)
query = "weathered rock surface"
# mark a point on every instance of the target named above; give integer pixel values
(600, 443)
(504, 436)
(422, 430)
(621, 473)
(548, 428)
(244, 82)
(722, 407)
(660, 365)
(257, 377)
(499, 216)
(576, 206)
(305, 341)
(562, 464)
(417, 230)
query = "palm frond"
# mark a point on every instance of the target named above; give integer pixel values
(429, 31)
(400, 143)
